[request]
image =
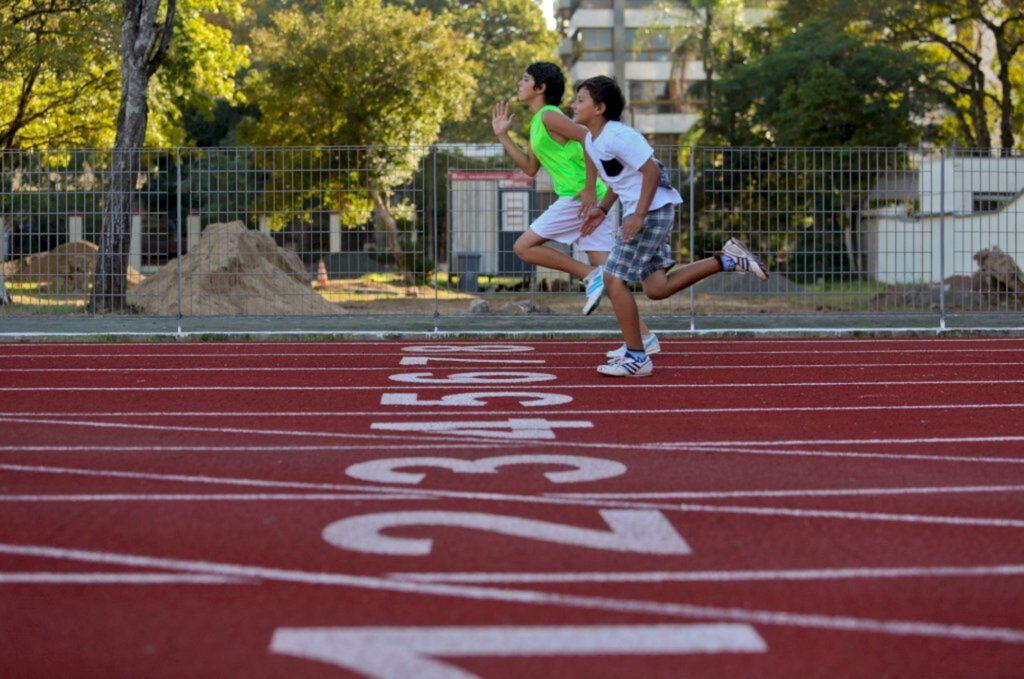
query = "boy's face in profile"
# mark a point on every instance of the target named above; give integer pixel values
(584, 110)
(527, 88)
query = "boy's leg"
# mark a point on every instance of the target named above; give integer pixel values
(626, 311)
(597, 258)
(660, 285)
(530, 248)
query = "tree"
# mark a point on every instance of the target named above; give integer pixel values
(58, 73)
(822, 86)
(365, 75)
(709, 30)
(507, 36)
(977, 43)
(144, 45)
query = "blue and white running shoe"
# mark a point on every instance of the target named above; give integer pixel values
(746, 261)
(595, 290)
(651, 346)
(627, 366)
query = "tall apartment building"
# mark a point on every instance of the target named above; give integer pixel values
(607, 37)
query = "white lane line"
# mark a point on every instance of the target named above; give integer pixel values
(845, 442)
(471, 363)
(40, 578)
(809, 492)
(471, 443)
(423, 493)
(667, 348)
(520, 386)
(682, 610)
(483, 412)
(411, 492)
(509, 578)
(209, 497)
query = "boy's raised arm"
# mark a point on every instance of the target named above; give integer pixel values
(501, 122)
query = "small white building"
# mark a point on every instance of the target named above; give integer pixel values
(964, 205)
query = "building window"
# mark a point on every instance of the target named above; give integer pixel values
(647, 96)
(990, 202)
(639, 4)
(647, 45)
(594, 44)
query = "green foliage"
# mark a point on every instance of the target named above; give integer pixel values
(60, 79)
(975, 46)
(507, 36)
(822, 86)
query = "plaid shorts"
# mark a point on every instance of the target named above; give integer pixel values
(648, 252)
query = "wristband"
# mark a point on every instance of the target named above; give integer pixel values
(601, 208)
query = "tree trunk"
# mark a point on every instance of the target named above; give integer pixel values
(144, 44)
(391, 227)
(4, 299)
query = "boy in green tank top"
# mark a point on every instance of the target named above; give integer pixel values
(556, 144)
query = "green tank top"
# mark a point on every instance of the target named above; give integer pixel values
(564, 163)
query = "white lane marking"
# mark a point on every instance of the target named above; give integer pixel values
(530, 400)
(847, 442)
(632, 531)
(521, 380)
(431, 360)
(426, 427)
(40, 578)
(682, 610)
(412, 492)
(584, 469)
(471, 443)
(517, 428)
(808, 492)
(206, 497)
(1009, 570)
(401, 652)
(477, 377)
(527, 399)
(763, 511)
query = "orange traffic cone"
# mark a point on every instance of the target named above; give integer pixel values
(321, 274)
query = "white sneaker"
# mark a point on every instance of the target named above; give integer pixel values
(746, 261)
(627, 366)
(595, 290)
(651, 346)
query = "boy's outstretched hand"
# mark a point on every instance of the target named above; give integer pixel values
(592, 220)
(631, 226)
(501, 119)
(587, 199)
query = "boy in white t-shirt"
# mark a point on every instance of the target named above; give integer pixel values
(625, 162)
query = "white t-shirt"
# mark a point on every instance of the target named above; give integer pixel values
(618, 152)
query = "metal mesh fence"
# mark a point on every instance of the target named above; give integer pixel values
(414, 231)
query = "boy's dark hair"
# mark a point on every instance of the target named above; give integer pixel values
(547, 73)
(604, 90)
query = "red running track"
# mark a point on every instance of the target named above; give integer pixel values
(769, 508)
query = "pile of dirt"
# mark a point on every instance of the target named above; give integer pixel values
(997, 285)
(68, 268)
(232, 271)
(997, 273)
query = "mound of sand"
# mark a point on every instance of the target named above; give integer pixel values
(232, 271)
(68, 268)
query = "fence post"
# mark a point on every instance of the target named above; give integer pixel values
(693, 296)
(177, 235)
(436, 250)
(942, 239)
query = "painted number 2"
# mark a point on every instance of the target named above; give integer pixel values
(639, 531)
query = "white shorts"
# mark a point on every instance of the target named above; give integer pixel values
(561, 222)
